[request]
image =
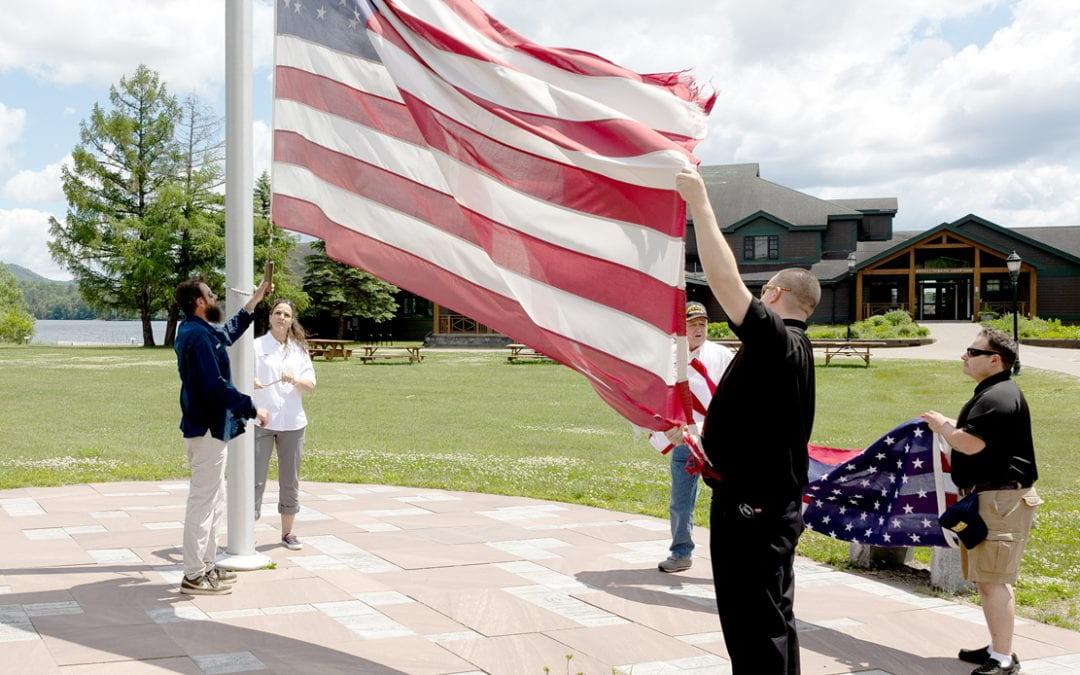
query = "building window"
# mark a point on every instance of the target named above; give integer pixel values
(761, 247)
(993, 285)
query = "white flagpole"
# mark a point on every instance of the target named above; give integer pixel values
(239, 272)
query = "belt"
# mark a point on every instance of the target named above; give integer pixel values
(1007, 485)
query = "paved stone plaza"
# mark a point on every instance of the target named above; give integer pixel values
(422, 581)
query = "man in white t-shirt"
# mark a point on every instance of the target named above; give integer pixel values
(707, 364)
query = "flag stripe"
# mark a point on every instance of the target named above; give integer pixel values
(581, 320)
(615, 241)
(540, 177)
(375, 112)
(628, 290)
(575, 61)
(569, 119)
(653, 170)
(641, 390)
(658, 107)
(568, 186)
(361, 74)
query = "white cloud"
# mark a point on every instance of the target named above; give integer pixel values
(23, 237)
(36, 187)
(12, 122)
(97, 41)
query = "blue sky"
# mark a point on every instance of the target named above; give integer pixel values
(958, 107)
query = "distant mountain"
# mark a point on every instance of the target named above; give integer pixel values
(23, 274)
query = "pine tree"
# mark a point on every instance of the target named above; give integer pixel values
(272, 241)
(116, 238)
(341, 292)
(198, 232)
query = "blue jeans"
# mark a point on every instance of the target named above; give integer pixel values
(684, 492)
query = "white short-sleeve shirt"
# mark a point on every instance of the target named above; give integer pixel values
(283, 402)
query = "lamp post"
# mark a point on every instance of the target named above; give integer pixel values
(851, 292)
(1013, 263)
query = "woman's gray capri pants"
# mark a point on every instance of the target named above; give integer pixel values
(290, 447)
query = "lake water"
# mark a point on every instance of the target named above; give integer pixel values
(93, 332)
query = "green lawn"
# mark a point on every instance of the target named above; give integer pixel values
(470, 421)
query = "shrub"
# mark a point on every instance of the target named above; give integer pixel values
(1036, 328)
(895, 324)
(15, 326)
(720, 331)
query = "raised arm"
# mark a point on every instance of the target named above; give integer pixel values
(717, 260)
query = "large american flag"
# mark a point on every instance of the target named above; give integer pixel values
(889, 494)
(529, 188)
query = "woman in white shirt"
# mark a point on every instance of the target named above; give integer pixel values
(283, 372)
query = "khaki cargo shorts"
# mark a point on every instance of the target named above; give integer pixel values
(1008, 515)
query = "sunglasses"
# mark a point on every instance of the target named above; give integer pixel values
(972, 351)
(767, 287)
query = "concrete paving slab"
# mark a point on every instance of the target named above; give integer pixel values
(489, 584)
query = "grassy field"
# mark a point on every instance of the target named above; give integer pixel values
(470, 421)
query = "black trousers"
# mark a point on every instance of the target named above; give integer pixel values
(753, 550)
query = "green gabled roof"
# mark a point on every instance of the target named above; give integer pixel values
(1019, 236)
(772, 219)
(956, 228)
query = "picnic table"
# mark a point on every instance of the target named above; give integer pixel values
(856, 348)
(328, 349)
(520, 352)
(379, 352)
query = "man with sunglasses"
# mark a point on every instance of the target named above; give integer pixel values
(755, 435)
(994, 456)
(213, 411)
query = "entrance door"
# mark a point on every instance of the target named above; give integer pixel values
(945, 300)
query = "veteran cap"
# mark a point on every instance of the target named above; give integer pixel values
(696, 310)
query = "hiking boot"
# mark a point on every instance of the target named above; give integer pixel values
(204, 585)
(222, 576)
(675, 564)
(992, 667)
(290, 542)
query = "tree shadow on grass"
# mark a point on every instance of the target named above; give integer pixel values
(130, 617)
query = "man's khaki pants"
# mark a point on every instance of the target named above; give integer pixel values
(205, 504)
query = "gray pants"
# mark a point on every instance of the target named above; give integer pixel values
(290, 448)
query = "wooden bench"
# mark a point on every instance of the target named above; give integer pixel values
(328, 349)
(379, 353)
(856, 348)
(520, 352)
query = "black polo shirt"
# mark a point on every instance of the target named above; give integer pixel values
(760, 418)
(999, 416)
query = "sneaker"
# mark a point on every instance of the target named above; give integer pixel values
(222, 576)
(992, 667)
(675, 564)
(204, 585)
(290, 542)
(976, 656)
(979, 656)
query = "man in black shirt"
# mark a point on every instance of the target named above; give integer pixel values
(994, 456)
(755, 435)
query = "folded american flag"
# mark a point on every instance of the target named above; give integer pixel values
(527, 187)
(889, 494)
